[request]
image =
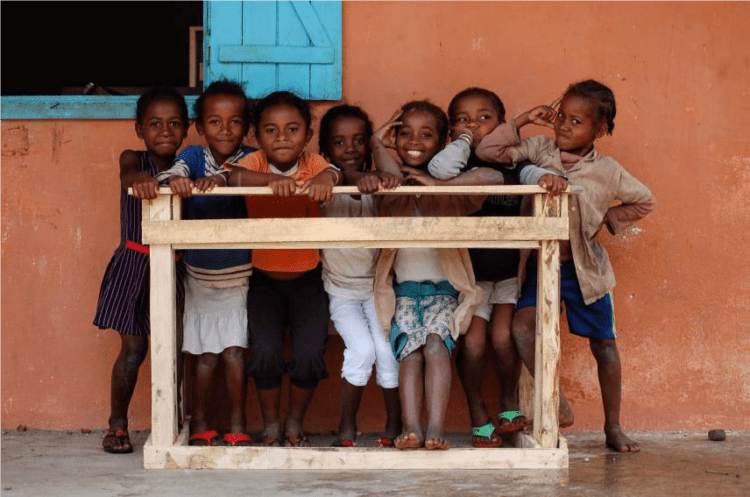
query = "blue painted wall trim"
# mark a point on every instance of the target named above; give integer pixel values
(73, 107)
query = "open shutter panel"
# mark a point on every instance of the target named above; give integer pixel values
(269, 46)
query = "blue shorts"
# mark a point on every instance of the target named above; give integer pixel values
(591, 321)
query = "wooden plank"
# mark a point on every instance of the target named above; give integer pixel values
(401, 190)
(301, 232)
(292, 77)
(271, 54)
(224, 27)
(338, 459)
(73, 107)
(357, 244)
(163, 341)
(547, 346)
(325, 79)
(259, 28)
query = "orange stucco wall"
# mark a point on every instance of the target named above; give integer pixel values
(680, 72)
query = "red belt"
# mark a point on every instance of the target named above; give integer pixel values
(137, 247)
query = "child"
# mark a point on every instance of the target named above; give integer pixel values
(348, 276)
(434, 294)
(215, 319)
(586, 112)
(286, 288)
(473, 113)
(162, 123)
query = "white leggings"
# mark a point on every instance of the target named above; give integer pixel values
(357, 323)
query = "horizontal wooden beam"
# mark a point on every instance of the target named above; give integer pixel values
(401, 190)
(271, 54)
(351, 458)
(354, 232)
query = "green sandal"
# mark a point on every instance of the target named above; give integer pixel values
(485, 432)
(512, 422)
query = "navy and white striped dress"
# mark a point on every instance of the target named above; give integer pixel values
(124, 294)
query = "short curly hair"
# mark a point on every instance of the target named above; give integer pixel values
(600, 96)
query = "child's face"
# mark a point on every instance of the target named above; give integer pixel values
(223, 125)
(348, 143)
(283, 135)
(476, 113)
(577, 125)
(162, 129)
(417, 139)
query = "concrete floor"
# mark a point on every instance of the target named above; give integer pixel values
(671, 464)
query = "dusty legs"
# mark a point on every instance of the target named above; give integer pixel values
(609, 372)
(133, 350)
(425, 376)
(205, 368)
(351, 396)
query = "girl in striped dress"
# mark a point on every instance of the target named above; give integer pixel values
(162, 124)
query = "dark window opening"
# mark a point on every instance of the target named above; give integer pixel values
(118, 48)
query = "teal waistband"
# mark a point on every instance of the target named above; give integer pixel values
(417, 289)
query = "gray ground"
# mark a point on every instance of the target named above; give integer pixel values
(671, 464)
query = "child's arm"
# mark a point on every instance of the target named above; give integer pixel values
(502, 144)
(143, 184)
(283, 186)
(320, 187)
(637, 202)
(449, 162)
(476, 176)
(381, 141)
(177, 177)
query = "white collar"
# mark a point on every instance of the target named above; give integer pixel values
(289, 172)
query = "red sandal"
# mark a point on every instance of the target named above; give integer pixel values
(237, 440)
(203, 438)
(117, 442)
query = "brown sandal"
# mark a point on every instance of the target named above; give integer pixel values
(117, 442)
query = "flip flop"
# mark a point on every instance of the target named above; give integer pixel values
(510, 426)
(344, 443)
(298, 440)
(385, 442)
(203, 438)
(485, 432)
(237, 439)
(117, 442)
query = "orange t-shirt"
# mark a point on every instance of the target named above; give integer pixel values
(287, 260)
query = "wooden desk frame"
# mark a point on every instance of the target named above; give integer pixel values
(165, 232)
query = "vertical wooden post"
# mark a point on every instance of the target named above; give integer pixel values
(163, 345)
(546, 389)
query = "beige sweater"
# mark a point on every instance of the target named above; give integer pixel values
(455, 261)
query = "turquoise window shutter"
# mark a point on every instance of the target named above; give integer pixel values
(269, 46)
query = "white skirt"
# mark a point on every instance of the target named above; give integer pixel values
(215, 318)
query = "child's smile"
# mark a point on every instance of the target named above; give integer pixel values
(223, 125)
(417, 139)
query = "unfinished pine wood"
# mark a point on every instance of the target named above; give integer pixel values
(529, 456)
(547, 353)
(401, 190)
(338, 232)
(163, 341)
(164, 232)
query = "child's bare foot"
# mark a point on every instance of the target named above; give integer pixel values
(436, 441)
(408, 440)
(618, 441)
